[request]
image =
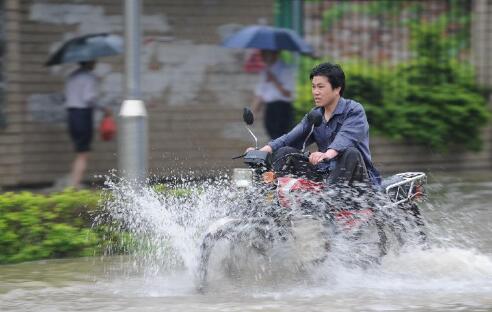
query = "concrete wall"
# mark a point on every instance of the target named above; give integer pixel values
(11, 136)
(194, 89)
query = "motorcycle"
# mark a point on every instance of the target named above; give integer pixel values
(315, 220)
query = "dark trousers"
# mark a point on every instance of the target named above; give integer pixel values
(80, 126)
(349, 166)
(279, 118)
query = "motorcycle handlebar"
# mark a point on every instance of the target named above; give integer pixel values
(240, 156)
(326, 160)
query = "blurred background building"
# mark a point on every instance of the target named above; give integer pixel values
(195, 89)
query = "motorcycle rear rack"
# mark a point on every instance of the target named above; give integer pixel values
(405, 186)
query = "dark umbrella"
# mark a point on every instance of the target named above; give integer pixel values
(87, 48)
(268, 38)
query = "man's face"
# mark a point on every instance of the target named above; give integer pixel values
(323, 93)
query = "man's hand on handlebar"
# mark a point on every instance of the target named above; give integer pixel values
(317, 157)
(265, 148)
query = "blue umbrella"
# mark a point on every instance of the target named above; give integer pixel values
(268, 38)
(87, 48)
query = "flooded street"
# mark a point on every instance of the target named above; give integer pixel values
(454, 274)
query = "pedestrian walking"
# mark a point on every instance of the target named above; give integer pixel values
(275, 92)
(82, 94)
(81, 98)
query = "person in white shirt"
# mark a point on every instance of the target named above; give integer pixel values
(275, 90)
(81, 93)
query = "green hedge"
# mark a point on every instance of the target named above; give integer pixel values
(432, 100)
(35, 226)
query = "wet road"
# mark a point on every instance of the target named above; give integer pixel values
(455, 274)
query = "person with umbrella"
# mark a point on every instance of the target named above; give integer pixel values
(275, 90)
(81, 92)
(276, 86)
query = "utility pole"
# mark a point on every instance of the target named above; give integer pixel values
(133, 133)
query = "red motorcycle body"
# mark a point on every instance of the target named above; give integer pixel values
(294, 192)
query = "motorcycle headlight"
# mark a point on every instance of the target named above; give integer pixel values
(242, 177)
(269, 177)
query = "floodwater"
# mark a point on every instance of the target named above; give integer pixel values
(454, 274)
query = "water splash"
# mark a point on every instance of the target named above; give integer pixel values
(166, 224)
(169, 225)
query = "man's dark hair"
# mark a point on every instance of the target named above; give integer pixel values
(332, 72)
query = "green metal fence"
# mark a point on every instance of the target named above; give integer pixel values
(408, 62)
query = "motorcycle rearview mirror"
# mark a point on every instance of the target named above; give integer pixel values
(314, 119)
(248, 116)
(249, 119)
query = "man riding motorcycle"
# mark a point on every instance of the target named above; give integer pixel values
(342, 138)
(308, 204)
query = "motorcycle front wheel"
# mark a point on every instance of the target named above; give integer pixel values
(231, 246)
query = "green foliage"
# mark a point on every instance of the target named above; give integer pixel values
(175, 192)
(432, 100)
(35, 226)
(436, 100)
(401, 105)
(379, 9)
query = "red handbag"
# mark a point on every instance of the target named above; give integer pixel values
(107, 129)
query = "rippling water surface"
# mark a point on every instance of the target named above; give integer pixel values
(454, 274)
